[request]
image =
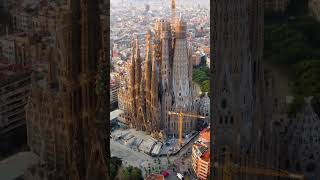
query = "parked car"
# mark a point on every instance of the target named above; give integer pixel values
(165, 173)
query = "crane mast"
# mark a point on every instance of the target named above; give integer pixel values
(180, 115)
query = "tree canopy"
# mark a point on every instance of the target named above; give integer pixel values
(292, 46)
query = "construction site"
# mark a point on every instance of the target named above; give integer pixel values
(140, 149)
(142, 142)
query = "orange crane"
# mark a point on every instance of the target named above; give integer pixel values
(229, 169)
(180, 115)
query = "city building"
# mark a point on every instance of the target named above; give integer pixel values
(205, 107)
(65, 111)
(39, 18)
(114, 89)
(201, 155)
(314, 6)
(14, 90)
(8, 48)
(208, 62)
(17, 48)
(155, 177)
(196, 58)
(276, 5)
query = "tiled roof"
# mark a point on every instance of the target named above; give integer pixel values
(205, 134)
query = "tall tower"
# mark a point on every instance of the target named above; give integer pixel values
(238, 84)
(232, 105)
(154, 93)
(77, 133)
(78, 88)
(166, 72)
(256, 21)
(132, 85)
(137, 80)
(180, 71)
(147, 76)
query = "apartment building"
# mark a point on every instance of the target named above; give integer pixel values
(14, 88)
(201, 155)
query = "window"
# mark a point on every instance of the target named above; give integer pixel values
(231, 120)
(311, 167)
(223, 103)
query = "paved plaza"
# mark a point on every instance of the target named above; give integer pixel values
(147, 163)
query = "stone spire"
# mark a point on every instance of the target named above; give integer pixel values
(147, 71)
(180, 72)
(132, 83)
(154, 91)
(137, 68)
(137, 81)
(142, 107)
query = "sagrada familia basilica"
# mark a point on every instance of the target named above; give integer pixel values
(163, 83)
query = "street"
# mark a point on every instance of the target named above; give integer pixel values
(149, 164)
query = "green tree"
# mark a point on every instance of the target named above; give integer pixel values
(136, 174)
(125, 173)
(130, 173)
(113, 171)
(115, 164)
(205, 86)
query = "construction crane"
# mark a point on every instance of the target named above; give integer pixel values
(229, 169)
(180, 115)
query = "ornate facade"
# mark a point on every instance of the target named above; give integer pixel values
(250, 115)
(164, 84)
(65, 124)
(233, 97)
(241, 118)
(300, 133)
